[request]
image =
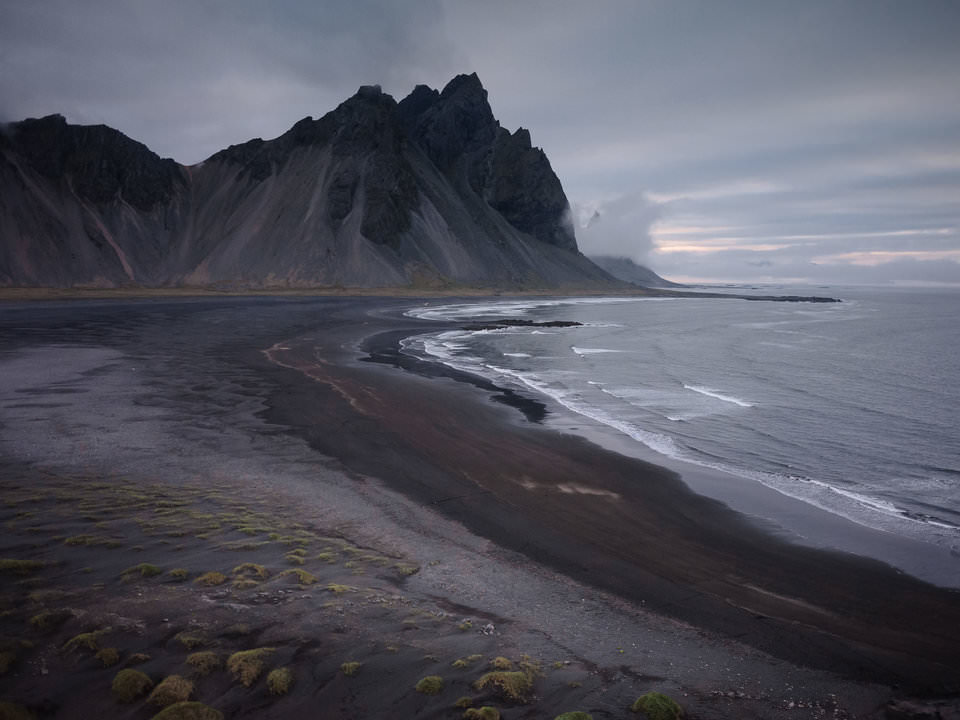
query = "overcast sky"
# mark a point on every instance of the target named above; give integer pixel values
(814, 141)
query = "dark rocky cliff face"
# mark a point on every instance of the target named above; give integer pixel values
(100, 163)
(374, 193)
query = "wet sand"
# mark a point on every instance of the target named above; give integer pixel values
(621, 524)
(442, 511)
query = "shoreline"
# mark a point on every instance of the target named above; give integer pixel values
(527, 489)
(436, 506)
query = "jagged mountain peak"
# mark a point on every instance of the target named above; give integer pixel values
(373, 193)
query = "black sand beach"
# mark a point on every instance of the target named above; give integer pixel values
(608, 566)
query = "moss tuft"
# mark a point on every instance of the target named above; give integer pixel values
(48, 619)
(203, 662)
(464, 702)
(108, 656)
(501, 663)
(575, 715)
(514, 686)
(189, 711)
(236, 630)
(211, 579)
(138, 658)
(302, 576)
(10, 566)
(466, 662)
(407, 570)
(249, 568)
(484, 713)
(190, 640)
(338, 589)
(172, 689)
(247, 665)
(89, 641)
(7, 658)
(245, 583)
(178, 574)
(11, 711)
(430, 685)
(351, 668)
(657, 706)
(143, 570)
(129, 684)
(294, 559)
(279, 681)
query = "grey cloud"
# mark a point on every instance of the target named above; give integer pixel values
(619, 227)
(188, 78)
(844, 118)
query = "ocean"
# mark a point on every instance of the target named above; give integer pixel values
(852, 407)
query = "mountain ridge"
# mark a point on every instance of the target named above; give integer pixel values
(625, 269)
(429, 191)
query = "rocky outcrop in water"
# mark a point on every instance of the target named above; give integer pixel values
(430, 191)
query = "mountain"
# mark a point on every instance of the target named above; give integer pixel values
(430, 191)
(625, 269)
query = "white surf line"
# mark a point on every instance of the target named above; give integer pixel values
(719, 396)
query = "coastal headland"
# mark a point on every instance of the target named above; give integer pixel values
(226, 475)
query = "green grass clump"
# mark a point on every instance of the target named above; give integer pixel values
(338, 589)
(172, 689)
(189, 711)
(249, 568)
(191, 641)
(143, 570)
(279, 681)
(203, 662)
(302, 576)
(137, 658)
(430, 685)
(575, 715)
(351, 668)
(237, 630)
(178, 574)
(294, 559)
(657, 706)
(407, 570)
(7, 658)
(48, 619)
(247, 665)
(11, 711)
(129, 684)
(108, 656)
(514, 685)
(88, 640)
(464, 702)
(467, 661)
(501, 663)
(484, 713)
(327, 557)
(210, 579)
(10, 566)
